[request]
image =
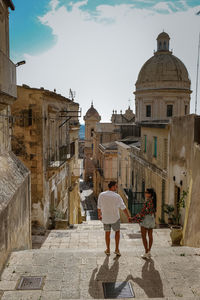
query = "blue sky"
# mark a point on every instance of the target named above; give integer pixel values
(28, 35)
(97, 47)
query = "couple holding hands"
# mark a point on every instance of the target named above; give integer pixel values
(109, 203)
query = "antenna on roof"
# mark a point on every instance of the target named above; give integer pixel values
(72, 94)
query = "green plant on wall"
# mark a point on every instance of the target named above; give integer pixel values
(57, 214)
(180, 204)
(170, 209)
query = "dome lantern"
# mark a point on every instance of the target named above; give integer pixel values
(163, 42)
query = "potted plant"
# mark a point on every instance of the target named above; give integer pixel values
(59, 219)
(168, 210)
(176, 233)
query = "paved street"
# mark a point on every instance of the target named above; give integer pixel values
(74, 266)
(88, 203)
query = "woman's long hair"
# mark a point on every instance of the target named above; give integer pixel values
(153, 195)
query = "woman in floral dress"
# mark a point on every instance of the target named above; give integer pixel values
(146, 219)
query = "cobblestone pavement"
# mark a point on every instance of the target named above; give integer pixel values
(74, 266)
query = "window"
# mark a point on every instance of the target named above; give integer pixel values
(145, 143)
(101, 139)
(186, 109)
(148, 110)
(29, 117)
(165, 154)
(92, 132)
(169, 110)
(155, 147)
(72, 149)
(143, 189)
(132, 178)
(119, 168)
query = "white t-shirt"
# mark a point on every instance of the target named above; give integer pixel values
(109, 203)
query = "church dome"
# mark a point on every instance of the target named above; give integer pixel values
(92, 113)
(163, 70)
(163, 86)
(163, 35)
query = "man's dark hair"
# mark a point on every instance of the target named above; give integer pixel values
(111, 183)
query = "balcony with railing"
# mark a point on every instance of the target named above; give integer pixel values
(8, 88)
(56, 159)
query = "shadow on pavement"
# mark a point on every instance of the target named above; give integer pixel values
(151, 281)
(104, 274)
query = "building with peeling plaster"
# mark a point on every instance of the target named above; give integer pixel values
(45, 138)
(15, 199)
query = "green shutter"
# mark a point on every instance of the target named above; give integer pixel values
(155, 146)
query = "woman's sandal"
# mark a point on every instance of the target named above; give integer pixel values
(117, 253)
(107, 252)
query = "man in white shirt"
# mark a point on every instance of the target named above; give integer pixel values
(109, 203)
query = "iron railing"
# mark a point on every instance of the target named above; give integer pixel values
(135, 201)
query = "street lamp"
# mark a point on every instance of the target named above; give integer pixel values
(19, 63)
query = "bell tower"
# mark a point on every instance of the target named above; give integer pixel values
(91, 118)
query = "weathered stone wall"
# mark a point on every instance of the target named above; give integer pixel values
(153, 180)
(184, 173)
(41, 138)
(15, 206)
(192, 226)
(4, 129)
(74, 203)
(121, 192)
(161, 161)
(124, 167)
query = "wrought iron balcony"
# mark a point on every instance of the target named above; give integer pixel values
(55, 160)
(8, 86)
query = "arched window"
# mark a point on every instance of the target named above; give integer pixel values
(92, 132)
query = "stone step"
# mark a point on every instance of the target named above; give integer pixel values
(77, 268)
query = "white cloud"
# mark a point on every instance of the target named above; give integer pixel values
(162, 7)
(54, 4)
(100, 56)
(184, 4)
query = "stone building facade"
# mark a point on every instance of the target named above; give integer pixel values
(162, 86)
(105, 135)
(15, 229)
(106, 167)
(45, 138)
(184, 175)
(91, 118)
(150, 164)
(162, 92)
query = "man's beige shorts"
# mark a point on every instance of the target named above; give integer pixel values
(114, 226)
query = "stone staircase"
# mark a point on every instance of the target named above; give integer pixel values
(73, 265)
